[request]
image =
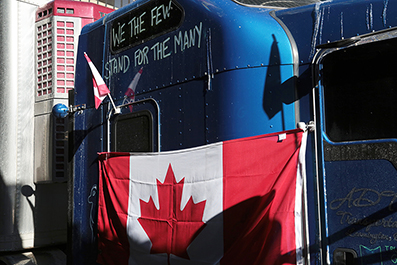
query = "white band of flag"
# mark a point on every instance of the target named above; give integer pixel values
(100, 88)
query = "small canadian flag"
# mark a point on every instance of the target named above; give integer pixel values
(100, 88)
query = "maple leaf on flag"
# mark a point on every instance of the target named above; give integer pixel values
(170, 229)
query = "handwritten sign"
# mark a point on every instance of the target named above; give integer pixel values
(375, 253)
(165, 47)
(116, 65)
(380, 225)
(144, 23)
(162, 49)
(364, 197)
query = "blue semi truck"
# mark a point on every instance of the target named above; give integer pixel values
(186, 73)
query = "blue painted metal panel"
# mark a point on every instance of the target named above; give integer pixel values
(87, 142)
(311, 26)
(331, 21)
(357, 195)
(362, 209)
(250, 102)
(232, 42)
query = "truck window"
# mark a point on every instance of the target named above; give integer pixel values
(360, 92)
(133, 132)
(130, 29)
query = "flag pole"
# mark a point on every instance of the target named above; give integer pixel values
(116, 109)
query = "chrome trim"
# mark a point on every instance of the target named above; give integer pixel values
(295, 58)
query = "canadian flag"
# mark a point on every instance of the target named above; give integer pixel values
(99, 86)
(234, 202)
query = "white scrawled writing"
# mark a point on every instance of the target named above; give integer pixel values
(187, 39)
(160, 13)
(117, 65)
(137, 25)
(161, 50)
(118, 34)
(140, 56)
(182, 40)
(140, 23)
(178, 43)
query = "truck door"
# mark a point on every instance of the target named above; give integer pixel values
(356, 139)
